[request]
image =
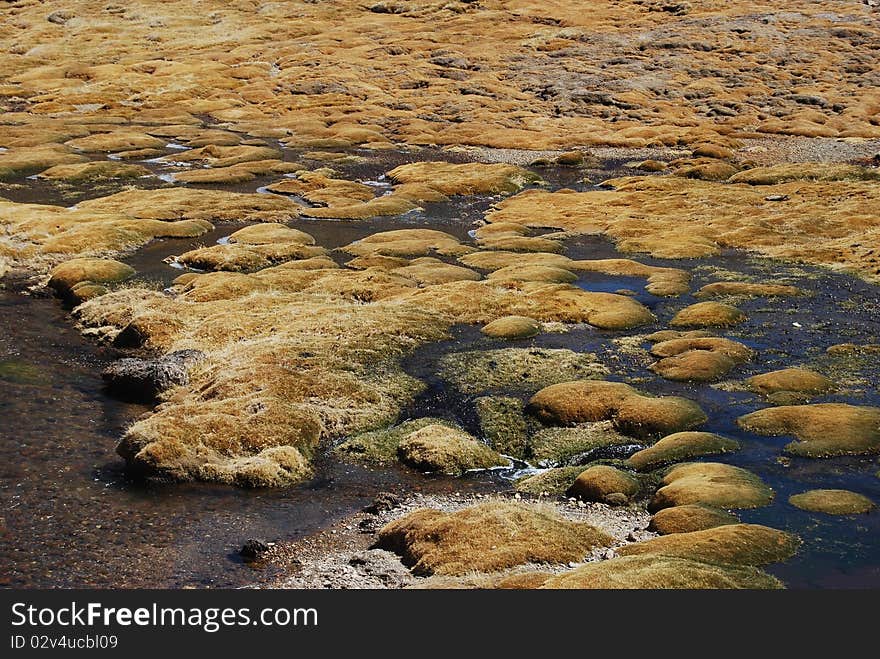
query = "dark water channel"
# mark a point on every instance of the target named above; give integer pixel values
(72, 517)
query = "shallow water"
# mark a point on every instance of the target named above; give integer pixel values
(73, 518)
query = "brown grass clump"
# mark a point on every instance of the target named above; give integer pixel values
(497, 260)
(117, 140)
(238, 257)
(731, 544)
(216, 156)
(604, 483)
(540, 273)
(512, 327)
(521, 369)
(90, 171)
(28, 160)
(790, 381)
(708, 314)
(700, 359)
(632, 412)
(483, 301)
(823, 430)
(246, 171)
(447, 450)
(97, 271)
(182, 203)
(379, 447)
(406, 243)
(805, 171)
(487, 537)
(690, 517)
(746, 289)
(557, 446)
(832, 502)
(551, 482)
(713, 484)
(428, 271)
(681, 446)
(666, 572)
(465, 178)
(821, 222)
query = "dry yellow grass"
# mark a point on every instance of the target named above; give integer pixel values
(713, 484)
(631, 411)
(827, 223)
(486, 537)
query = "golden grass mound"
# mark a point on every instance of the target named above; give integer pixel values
(805, 171)
(91, 171)
(512, 327)
(115, 140)
(699, 359)
(632, 412)
(466, 178)
(487, 537)
(681, 446)
(447, 450)
(379, 447)
(790, 381)
(832, 502)
(690, 517)
(604, 483)
(822, 222)
(541, 273)
(661, 281)
(520, 369)
(823, 430)
(406, 243)
(97, 271)
(708, 314)
(183, 203)
(550, 482)
(661, 572)
(503, 425)
(239, 257)
(746, 289)
(28, 160)
(483, 301)
(731, 544)
(713, 484)
(555, 446)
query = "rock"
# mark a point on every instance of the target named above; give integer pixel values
(731, 544)
(689, 517)
(681, 446)
(447, 450)
(708, 314)
(489, 536)
(551, 482)
(746, 289)
(503, 424)
(384, 502)
(832, 502)
(632, 412)
(98, 271)
(253, 549)
(667, 572)
(713, 484)
(146, 379)
(512, 327)
(597, 483)
(823, 430)
(790, 381)
(383, 566)
(516, 369)
(576, 445)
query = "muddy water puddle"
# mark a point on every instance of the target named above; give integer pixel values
(72, 517)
